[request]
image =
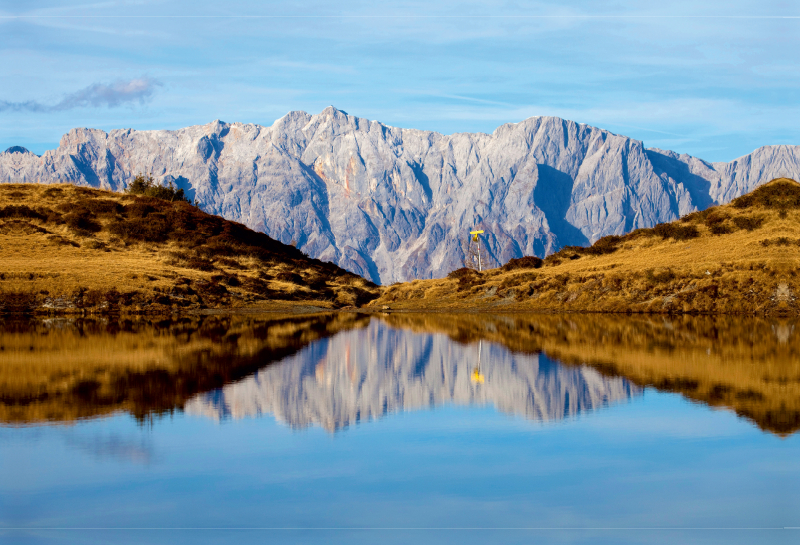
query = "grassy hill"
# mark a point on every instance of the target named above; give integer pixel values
(738, 258)
(72, 249)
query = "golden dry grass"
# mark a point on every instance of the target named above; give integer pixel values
(72, 249)
(744, 260)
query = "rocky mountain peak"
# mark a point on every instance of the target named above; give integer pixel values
(395, 204)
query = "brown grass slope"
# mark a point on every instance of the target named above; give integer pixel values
(740, 258)
(71, 249)
(748, 365)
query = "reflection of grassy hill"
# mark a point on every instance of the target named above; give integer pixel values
(749, 365)
(737, 258)
(63, 370)
(68, 248)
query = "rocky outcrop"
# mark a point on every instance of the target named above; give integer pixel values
(395, 204)
(360, 375)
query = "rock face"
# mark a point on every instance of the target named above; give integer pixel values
(364, 374)
(395, 204)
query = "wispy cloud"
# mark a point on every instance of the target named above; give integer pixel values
(96, 95)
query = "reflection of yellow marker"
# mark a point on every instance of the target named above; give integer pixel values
(477, 377)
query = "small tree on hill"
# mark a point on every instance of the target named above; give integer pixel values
(147, 186)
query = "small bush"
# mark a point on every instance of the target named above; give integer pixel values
(152, 229)
(100, 207)
(750, 223)
(291, 277)
(660, 277)
(720, 229)
(697, 217)
(147, 186)
(527, 262)
(21, 212)
(676, 231)
(82, 222)
(463, 272)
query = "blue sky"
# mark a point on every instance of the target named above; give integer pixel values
(713, 79)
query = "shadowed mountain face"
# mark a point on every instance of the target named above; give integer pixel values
(393, 204)
(339, 369)
(367, 373)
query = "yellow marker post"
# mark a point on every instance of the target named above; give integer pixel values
(476, 239)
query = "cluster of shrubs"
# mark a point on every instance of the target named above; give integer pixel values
(778, 196)
(146, 186)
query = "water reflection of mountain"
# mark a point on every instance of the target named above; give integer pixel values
(61, 370)
(363, 374)
(749, 365)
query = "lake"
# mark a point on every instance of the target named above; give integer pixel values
(398, 428)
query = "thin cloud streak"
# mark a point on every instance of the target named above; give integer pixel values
(96, 95)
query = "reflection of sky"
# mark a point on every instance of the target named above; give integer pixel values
(714, 79)
(656, 462)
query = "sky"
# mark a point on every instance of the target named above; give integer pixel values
(712, 79)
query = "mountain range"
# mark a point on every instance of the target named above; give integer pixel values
(395, 204)
(365, 374)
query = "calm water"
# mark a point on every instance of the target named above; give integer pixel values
(400, 428)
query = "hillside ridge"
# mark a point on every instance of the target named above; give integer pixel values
(70, 249)
(394, 204)
(738, 258)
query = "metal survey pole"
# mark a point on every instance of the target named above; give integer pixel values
(476, 238)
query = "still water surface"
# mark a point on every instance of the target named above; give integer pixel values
(400, 428)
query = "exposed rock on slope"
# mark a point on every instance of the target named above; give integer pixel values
(393, 204)
(365, 374)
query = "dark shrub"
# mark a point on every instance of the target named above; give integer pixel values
(720, 229)
(81, 222)
(750, 223)
(606, 245)
(147, 186)
(660, 277)
(139, 210)
(101, 207)
(676, 231)
(151, 229)
(286, 276)
(21, 212)
(463, 272)
(696, 217)
(199, 264)
(527, 262)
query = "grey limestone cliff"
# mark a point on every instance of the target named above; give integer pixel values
(363, 374)
(394, 204)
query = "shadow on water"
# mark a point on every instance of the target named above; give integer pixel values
(340, 369)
